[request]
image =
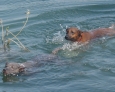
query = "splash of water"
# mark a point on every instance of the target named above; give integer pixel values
(58, 37)
(71, 47)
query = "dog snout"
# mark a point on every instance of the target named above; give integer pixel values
(4, 72)
(66, 37)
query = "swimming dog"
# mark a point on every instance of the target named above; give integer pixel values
(76, 35)
(13, 68)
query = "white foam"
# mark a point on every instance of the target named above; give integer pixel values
(73, 46)
(57, 38)
(112, 26)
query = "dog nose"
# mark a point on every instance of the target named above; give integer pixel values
(4, 72)
(66, 37)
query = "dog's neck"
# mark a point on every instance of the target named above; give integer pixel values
(84, 37)
(79, 39)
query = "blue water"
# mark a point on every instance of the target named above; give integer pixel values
(89, 68)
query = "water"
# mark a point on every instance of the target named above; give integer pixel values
(78, 68)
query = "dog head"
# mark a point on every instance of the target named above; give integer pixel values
(73, 34)
(13, 69)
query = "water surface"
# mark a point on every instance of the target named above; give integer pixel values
(78, 69)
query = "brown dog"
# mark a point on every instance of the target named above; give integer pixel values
(76, 35)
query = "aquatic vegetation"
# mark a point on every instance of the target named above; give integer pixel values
(6, 41)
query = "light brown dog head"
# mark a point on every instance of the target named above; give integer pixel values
(73, 34)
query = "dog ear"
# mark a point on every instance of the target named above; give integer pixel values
(79, 33)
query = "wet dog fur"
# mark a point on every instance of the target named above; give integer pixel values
(13, 68)
(76, 35)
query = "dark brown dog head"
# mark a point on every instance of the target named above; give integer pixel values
(13, 69)
(73, 34)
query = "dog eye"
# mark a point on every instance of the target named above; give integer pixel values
(72, 32)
